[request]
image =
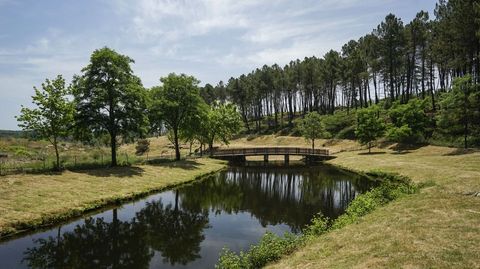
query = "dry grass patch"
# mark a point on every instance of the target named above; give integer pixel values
(436, 228)
(27, 201)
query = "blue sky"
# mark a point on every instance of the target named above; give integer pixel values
(210, 39)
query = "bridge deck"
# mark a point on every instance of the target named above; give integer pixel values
(270, 151)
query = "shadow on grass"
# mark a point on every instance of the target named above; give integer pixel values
(120, 171)
(401, 152)
(461, 151)
(406, 147)
(372, 153)
(183, 164)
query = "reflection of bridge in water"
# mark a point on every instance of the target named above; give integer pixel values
(240, 154)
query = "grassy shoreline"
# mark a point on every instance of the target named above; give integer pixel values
(30, 202)
(438, 227)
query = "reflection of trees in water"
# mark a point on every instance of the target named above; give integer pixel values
(94, 244)
(283, 196)
(174, 231)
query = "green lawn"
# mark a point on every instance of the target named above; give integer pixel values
(436, 228)
(27, 201)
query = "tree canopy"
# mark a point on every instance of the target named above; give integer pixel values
(312, 127)
(52, 116)
(370, 126)
(109, 99)
(176, 103)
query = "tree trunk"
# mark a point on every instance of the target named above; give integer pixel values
(113, 147)
(55, 146)
(177, 146)
(210, 147)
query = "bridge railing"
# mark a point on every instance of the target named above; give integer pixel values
(270, 151)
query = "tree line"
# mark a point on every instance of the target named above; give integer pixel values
(395, 62)
(107, 98)
(416, 77)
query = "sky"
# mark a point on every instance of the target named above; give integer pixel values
(212, 40)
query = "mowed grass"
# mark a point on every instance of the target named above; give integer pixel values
(437, 228)
(28, 201)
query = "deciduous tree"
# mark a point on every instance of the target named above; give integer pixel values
(51, 118)
(110, 99)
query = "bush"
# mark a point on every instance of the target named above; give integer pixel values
(346, 133)
(270, 248)
(409, 122)
(143, 145)
(318, 226)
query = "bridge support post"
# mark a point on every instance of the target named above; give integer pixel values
(287, 158)
(265, 158)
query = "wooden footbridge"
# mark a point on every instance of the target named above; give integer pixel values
(240, 154)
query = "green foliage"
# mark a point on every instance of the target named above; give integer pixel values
(53, 113)
(409, 122)
(109, 99)
(312, 127)
(270, 248)
(370, 126)
(393, 187)
(340, 124)
(143, 145)
(347, 133)
(176, 104)
(221, 123)
(318, 226)
(460, 110)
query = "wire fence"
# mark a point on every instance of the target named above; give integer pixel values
(9, 166)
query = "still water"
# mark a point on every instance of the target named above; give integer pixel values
(189, 226)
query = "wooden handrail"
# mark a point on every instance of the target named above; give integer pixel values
(271, 151)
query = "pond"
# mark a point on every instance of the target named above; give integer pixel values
(188, 227)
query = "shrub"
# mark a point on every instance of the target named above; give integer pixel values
(270, 248)
(346, 133)
(339, 121)
(143, 145)
(409, 122)
(318, 226)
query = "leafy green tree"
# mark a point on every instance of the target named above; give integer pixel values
(460, 110)
(409, 122)
(175, 103)
(370, 126)
(53, 113)
(311, 127)
(222, 122)
(109, 98)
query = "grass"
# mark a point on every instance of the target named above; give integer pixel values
(439, 227)
(38, 156)
(30, 201)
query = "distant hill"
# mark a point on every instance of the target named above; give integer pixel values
(10, 133)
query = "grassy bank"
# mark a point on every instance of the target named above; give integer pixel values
(29, 201)
(439, 227)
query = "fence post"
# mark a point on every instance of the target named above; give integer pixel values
(126, 156)
(75, 161)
